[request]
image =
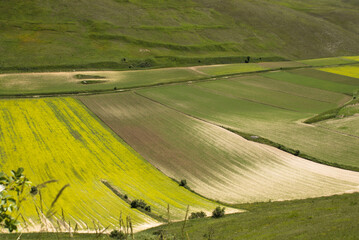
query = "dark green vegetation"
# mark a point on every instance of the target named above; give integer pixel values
(320, 218)
(116, 34)
(324, 218)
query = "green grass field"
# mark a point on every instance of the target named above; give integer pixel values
(201, 153)
(312, 82)
(319, 218)
(58, 138)
(326, 76)
(322, 218)
(349, 125)
(265, 115)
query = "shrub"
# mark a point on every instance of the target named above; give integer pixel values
(139, 203)
(183, 183)
(195, 215)
(148, 208)
(118, 235)
(218, 212)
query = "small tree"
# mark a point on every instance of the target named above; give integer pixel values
(118, 235)
(218, 212)
(139, 203)
(195, 215)
(183, 183)
(12, 189)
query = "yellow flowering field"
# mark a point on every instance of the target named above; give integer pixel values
(350, 71)
(58, 138)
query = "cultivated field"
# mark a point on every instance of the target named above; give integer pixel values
(276, 112)
(326, 76)
(216, 163)
(328, 61)
(58, 138)
(312, 82)
(72, 82)
(350, 71)
(348, 125)
(99, 81)
(228, 69)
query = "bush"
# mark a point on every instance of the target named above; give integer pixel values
(118, 235)
(148, 208)
(195, 215)
(218, 212)
(183, 183)
(139, 203)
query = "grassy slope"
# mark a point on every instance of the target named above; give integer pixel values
(348, 125)
(322, 218)
(264, 115)
(59, 139)
(215, 162)
(50, 33)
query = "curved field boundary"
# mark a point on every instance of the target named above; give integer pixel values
(60, 139)
(278, 125)
(215, 162)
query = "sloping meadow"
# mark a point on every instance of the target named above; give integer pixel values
(215, 162)
(58, 138)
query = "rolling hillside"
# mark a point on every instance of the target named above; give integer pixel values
(135, 34)
(216, 163)
(58, 138)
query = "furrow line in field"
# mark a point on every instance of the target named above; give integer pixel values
(241, 98)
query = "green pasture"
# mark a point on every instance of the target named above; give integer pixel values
(279, 125)
(326, 76)
(312, 82)
(320, 218)
(348, 125)
(239, 89)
